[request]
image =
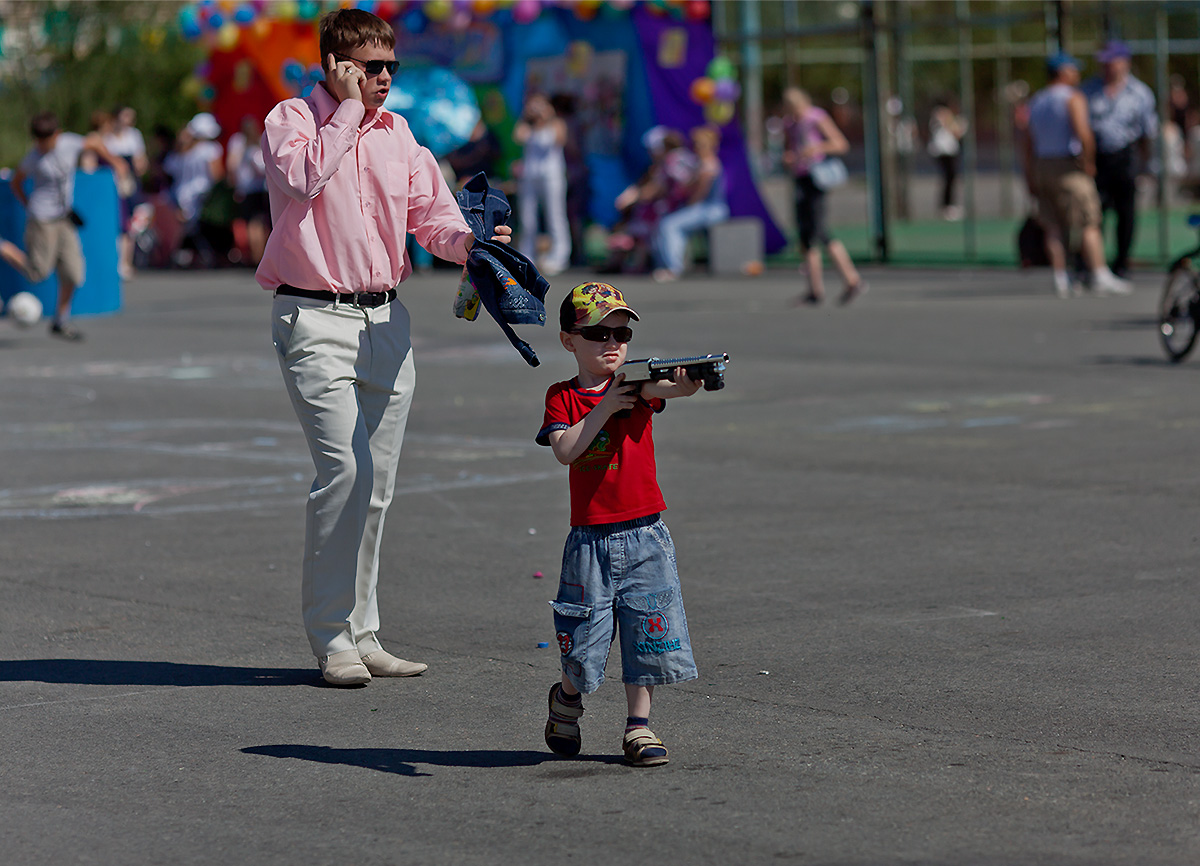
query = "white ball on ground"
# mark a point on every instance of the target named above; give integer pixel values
(24, 309)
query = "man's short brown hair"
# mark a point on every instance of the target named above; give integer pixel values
(43, 125)
(344, 30)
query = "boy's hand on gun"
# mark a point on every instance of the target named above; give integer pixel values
(619, 397)
(685, 385)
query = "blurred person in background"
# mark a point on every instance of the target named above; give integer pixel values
(125, 140)
(810, 135)
(1060, 164)
(245, 164)
(51, 224)
(946, 130)
(577, 174)
(706, 205)
(1121, 111)
(662, 186)
(479, 153)
(195, 165)
(542, 135)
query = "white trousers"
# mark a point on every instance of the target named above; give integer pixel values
(350, 374)
(549, 189)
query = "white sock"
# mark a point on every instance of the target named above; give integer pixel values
(1062, 282)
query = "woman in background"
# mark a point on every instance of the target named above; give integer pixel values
(543, 135)
(810, 135)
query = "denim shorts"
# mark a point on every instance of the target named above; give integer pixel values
(622, 575)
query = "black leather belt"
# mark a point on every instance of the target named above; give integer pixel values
(357, 299)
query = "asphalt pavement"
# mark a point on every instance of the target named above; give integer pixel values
(938, 550)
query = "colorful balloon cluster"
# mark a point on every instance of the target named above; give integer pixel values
(220, 22)
(717, 90)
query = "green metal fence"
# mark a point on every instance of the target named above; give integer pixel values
(878, 66)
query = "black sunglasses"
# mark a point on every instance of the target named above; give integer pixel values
(600, 333)
(372, 67)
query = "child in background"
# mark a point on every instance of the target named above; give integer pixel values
(619, 560)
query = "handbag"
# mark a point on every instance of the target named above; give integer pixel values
(829, 173)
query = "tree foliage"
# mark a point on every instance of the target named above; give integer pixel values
(75, 58)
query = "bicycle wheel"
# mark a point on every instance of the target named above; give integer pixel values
(1177, 311)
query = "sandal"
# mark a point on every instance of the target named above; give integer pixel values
(643, 748)
(562, 728)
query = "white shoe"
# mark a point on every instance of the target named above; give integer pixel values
(383, 664)
(344, 669)
(1108, 283)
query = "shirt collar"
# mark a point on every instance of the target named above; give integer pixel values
(325, 105)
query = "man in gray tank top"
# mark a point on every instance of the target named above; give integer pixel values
(1060, 170)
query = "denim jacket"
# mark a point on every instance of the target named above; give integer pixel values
(509, 285)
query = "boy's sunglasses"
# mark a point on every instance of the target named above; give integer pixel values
(601, 333)
(372, 67)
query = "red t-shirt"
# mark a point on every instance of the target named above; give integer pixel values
(615, 479)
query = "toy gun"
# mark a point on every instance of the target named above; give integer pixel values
(709, 369)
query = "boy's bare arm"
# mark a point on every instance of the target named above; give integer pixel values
(18, 187)
(568, 445)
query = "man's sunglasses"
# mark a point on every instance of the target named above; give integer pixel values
(372, 67)
(600, 333)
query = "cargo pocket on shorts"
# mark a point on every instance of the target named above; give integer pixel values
(571, 623)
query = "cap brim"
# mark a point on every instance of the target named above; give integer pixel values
(598, 316)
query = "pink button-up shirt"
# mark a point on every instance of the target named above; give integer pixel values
(344, 197)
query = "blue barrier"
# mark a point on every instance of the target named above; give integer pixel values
(96, 202)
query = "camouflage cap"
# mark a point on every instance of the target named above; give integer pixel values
(589, 303)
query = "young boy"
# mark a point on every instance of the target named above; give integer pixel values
(619, 561)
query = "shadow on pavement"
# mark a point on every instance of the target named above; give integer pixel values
(1131, 361)
(100, 672)
(401, 761)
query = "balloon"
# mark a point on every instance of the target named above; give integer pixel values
(697, 10)
(216, 21)
(702, 90)
(293, 70)
(307, 10)
(244, 14)
(727, 91)
(718, 112)
(191, 87)
(228, 36)
(484, 7)
(586, 10)
(315, 73)
(721, 69)
(414, 21)
(190, 28)
(438, 10)
(284, 10)
(526, 11)
(441, 108)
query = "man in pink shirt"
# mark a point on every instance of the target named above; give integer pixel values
(347, 183)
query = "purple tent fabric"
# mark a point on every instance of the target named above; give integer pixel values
(673, 107)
